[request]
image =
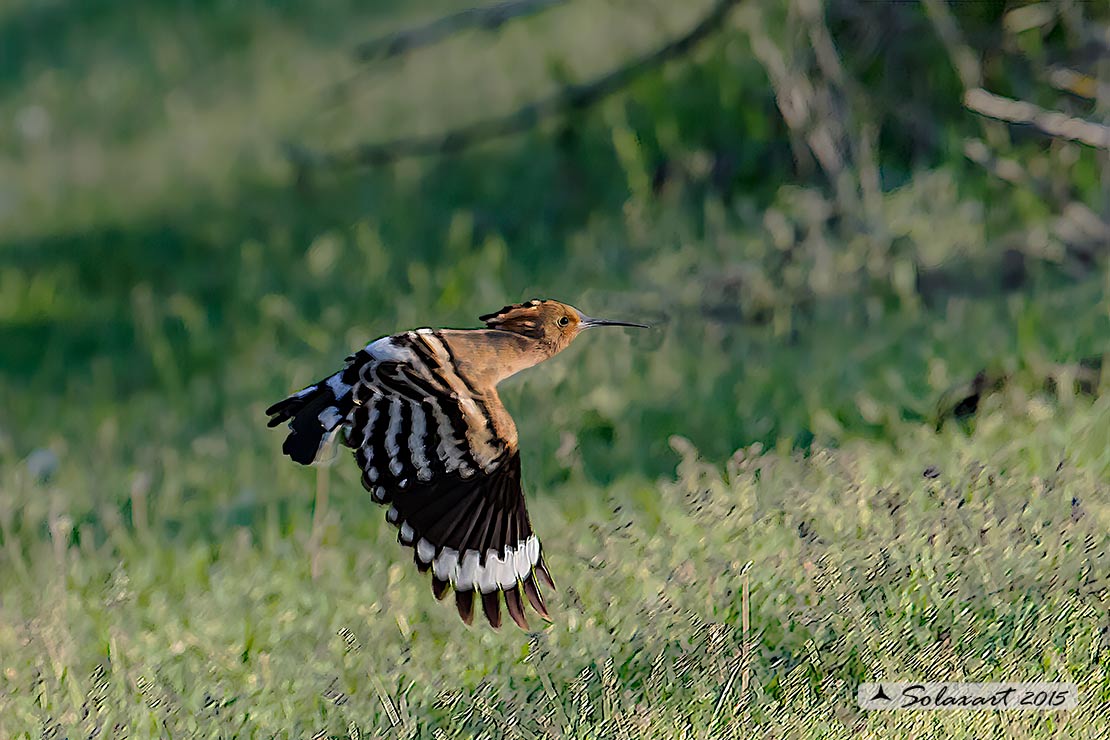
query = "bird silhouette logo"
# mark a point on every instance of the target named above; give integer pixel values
(435, 444)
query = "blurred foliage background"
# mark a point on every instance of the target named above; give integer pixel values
(859, 273)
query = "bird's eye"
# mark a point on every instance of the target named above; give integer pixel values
(564, 320)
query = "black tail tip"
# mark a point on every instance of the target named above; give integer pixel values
(300, 448)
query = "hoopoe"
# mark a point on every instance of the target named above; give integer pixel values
(435, 444)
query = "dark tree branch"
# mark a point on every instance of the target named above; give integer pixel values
(488, 18)
(566, 99)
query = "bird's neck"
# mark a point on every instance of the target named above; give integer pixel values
(488, 356)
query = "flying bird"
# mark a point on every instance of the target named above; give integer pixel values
(436, 445)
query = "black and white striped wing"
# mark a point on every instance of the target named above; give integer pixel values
(475, 537)
(426, 444)
(415, 417)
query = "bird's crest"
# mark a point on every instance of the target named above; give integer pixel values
(526, 319)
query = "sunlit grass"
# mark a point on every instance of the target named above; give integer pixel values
(990, 568)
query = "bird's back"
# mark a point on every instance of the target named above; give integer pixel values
(446, 377)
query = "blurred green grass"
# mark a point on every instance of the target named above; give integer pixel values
(162, 280)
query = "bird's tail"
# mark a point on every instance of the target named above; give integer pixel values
(313, 414)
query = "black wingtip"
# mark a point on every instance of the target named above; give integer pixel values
(305, 411)
(491, 605)
(276, 409)
(301, 448)
(464, 602)
(440, 588)
(541, 570)
(516, 607)
(535, 598)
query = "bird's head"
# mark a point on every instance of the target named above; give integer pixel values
(551, 324)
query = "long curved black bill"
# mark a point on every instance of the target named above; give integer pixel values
(589, 322)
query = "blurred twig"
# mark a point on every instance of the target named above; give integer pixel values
(808, 103)
(963, 58)
(319, 518)
(745, 628)
(1004, 168)
(1052, 123)
(569, 98)
(1077, 83)
(1082, 232)
(489, 18)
